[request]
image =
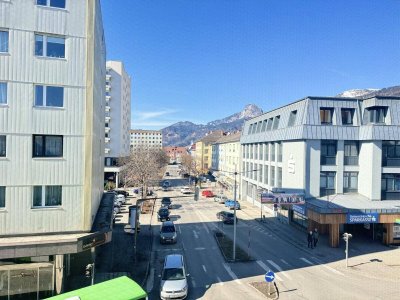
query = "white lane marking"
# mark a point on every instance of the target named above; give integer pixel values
(193, 283)
(195, 234)
(200, 248)
(183, 245)
(220, 281)
(204, 268)
(327, 267)
(233, 275)
(285, 262)
(266, 269)
(307, 261)
(279, 269)
(150, 282)
(180, 231)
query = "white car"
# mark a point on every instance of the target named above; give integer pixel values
(174, 283)
(186, 190)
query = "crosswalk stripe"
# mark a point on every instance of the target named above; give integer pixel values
(266, 269)
(327, 267)
(233, 275)
(307, 261)
(279, 269)
(220, 281)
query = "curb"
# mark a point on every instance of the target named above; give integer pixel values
(223, 253)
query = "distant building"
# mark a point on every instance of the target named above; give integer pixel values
(203, 151)
(145, 138)
(175, 153)
(117, 119)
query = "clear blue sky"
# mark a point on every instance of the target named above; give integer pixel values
(201, 60)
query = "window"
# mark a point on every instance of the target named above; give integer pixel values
(272, 151)
(279, 175)
(50, 96)
(260, 173)
(256, 151)
(250, 128)
(266, 151)
(375, 114)
(49, 46)
(3, 146)
(350, 182)
(269, 125)
(272, 176)
(327, 183)
(326, 115)
(51, 3)
(259, 127)
(347, 116)
(49, 195)
(260, 151)
(279, 146)
(351, 150)
(254, 128)
(251, 151)
(390, 186)
(328, 153)
(266, 174)
(292, 118)
(47, 146)
(264, 125)
(3, 93)
(391, 153)
(251, 171)
(2, 196)
(276, 122)
(3, 41)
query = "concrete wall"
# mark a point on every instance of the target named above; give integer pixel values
(369, 178)
(293, 165)
(313, 161)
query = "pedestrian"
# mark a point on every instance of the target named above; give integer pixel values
(315, 237)
(310, 240)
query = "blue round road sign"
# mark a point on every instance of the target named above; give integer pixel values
(270, 276)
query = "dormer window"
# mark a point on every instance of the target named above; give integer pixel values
(292, 118)
(269, 125)
(375, 114)
(326, 115)
(347, 116)
(276, 122)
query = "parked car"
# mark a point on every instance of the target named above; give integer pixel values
(168, 233)
(167, 174)
(163, 214)
(121, 198)
(121, 192)
(174, 278)
(231, 204)
(186, 190)
(207, 193)
(166, 201)
(226, 217)
(220, 199)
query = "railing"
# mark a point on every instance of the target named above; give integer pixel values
(328, 160)
(351, 160)
(390, 162)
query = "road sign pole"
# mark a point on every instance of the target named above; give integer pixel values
(347, 252)
(234, 219)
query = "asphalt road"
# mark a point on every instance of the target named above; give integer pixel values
(300, 273)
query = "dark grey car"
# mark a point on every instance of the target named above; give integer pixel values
(168, 233)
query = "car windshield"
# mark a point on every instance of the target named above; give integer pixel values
(163, 211)
(168, 229)
(173, 274)
(166, 200)
(229, 215)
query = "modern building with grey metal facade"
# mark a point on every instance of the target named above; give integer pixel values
(343, 154)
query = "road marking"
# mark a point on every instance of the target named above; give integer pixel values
(307, 261)
(193, 283)
(233, 275)
(204, 268)
(285, 262)
(200, 248)
(195, 234)
(327, 267)
(266, 269)
(150, 282)
(279, 269)
(220, 281)
(179, 227)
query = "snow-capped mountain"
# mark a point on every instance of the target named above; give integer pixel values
(366, 93)
(249, 111)
(357, 93)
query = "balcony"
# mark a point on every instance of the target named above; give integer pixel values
(107, 150)
(108, 77)
(107, 129)
(108, 108)
(107, 140)
(108, 88)
(108, 119)
(108, 98)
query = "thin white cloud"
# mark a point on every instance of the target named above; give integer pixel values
(140, 124)
(146, 115)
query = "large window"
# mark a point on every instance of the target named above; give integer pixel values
(269, 125)
(272, 176)
(256, 151)
(279, 150)
(391, 153)
(260, 173)
(350, 182)
(3, 93)
(3, 41)
(49, 46)
(328, 152)
(3, 146)
(44, 196)
(259, 127)
(375, 114)
(251, 151)
(351, 150)
(264, 125)
(276, 122)
(279, 175)
(272, 151)
(52, 3)
(254, 128)
(266, 151)
(292, 118)
(390, 186)
(347, 116)
(47, 146)
(327, 183)
(2, 196)
(266, 174)
(250, 128)
(260, 151)
(326, 115)
(52, 96)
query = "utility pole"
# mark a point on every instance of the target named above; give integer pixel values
(346, 237)
(234, 218)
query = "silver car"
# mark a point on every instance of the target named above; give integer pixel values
(174, 283)
(168, 233)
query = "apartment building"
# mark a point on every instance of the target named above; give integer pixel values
(175, 153)
(203, 152)
(146, 138)
(52, 71)
(226, 162)
(341, 154)
(117, 119)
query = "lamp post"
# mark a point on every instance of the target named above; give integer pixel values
(234, 218)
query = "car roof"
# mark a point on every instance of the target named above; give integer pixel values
(173, 261)
(168, 223)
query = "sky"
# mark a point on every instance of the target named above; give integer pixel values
(203, 60)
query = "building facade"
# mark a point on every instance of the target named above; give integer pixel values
(175, 153)
(117, 119)
(203, 152)
(52, 71)
(340, 153)
(145, 138)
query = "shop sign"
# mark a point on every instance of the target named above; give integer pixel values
(299, 209)
(93, 241)
(362, 218)
(282, 199)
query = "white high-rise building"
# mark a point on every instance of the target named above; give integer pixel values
(52, 74)
(118, 118)
(146, 138)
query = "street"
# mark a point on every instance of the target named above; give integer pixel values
(301, 273)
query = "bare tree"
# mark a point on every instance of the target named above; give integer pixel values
(144, 166)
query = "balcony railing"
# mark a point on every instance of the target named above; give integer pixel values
(351, 160)
(390, 162)
(328, 160)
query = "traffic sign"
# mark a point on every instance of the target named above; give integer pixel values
(269, 276)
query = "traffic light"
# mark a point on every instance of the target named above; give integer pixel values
(347, 236)
(89, 270)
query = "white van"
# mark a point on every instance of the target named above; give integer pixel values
(174, 283)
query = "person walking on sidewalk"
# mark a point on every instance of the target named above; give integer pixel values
(310, 239)
(315, 237)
